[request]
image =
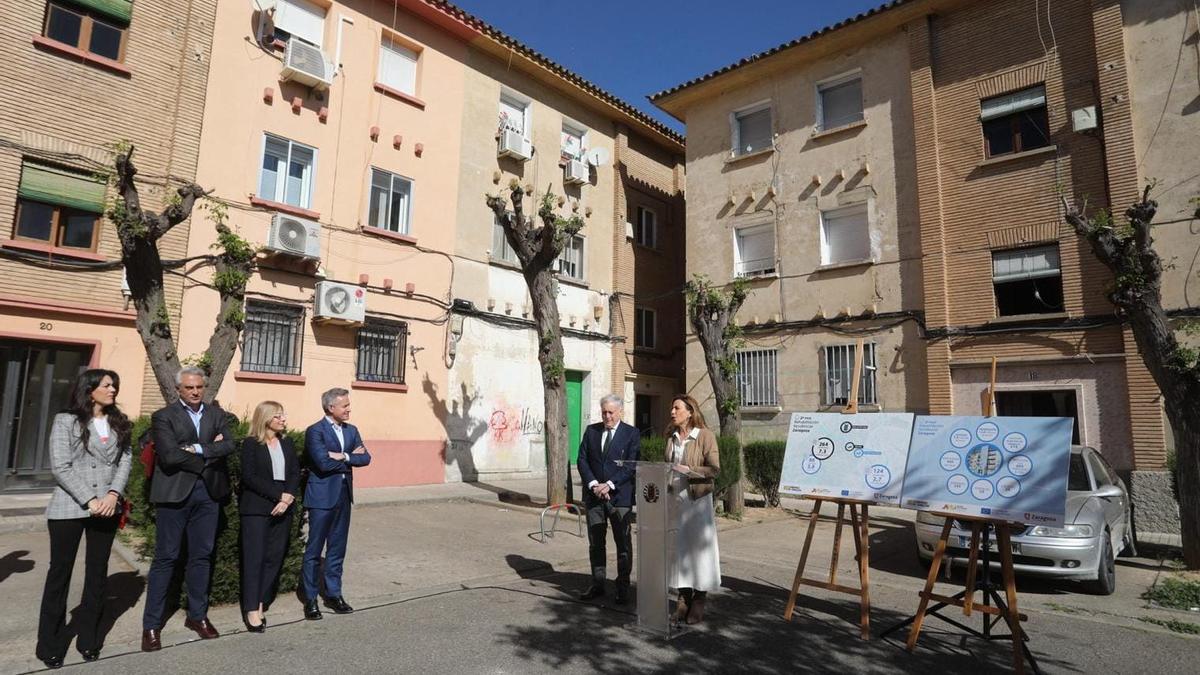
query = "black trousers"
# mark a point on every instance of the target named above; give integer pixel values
(599, 515)
(53, 636)
(264, 545)
(195, 519)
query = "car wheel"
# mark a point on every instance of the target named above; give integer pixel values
(1106, 574)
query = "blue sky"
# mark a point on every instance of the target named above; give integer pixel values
(636, 48)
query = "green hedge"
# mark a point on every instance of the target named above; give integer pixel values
(764, 465)
(226, 576)
(731, 464)
(654, 449)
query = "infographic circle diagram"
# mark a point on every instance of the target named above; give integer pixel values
(951, 460)
(1008, 486)
(957, 484)
(823, 448)
(878, 476)
(1020, 465)
(1015, 442)
(961, 438)
(982, 489)
(811, 465)
(987, 432)
(984, 460)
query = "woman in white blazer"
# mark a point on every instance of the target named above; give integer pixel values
(90, 455)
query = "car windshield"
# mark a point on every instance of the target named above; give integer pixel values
(1077, 477)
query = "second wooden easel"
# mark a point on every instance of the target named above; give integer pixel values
(979, 555)
(859, 521)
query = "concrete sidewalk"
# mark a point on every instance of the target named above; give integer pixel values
(25, 511)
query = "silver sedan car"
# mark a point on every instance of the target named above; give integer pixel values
(1098, 527)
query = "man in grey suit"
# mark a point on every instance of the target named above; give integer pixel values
(191, 441)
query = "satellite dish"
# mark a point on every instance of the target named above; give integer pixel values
(263, 5)
(597, 156)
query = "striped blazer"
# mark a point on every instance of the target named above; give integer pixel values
(83, 473)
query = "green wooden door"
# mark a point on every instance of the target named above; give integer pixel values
(574, 414)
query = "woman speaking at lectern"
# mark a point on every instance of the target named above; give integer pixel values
(692, 449)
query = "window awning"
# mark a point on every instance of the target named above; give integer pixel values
(43, 183)
(1007, 104)
(117, 10)
(1028, 263)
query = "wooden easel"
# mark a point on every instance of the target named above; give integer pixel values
(979, 553)
(859, 521)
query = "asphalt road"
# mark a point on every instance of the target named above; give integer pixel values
(467, 588)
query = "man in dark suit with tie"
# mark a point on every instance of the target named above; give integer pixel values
(334, 448)
(609, 493)
(191, 441)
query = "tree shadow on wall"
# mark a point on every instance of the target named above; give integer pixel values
(463, 431)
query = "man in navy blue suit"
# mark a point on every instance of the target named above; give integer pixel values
(335, 448)
(609, 493)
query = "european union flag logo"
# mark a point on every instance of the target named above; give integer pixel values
(845, 493)
(985, 511)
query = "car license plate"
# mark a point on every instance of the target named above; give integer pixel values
(965, 542)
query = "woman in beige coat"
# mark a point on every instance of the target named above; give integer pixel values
(692, 448)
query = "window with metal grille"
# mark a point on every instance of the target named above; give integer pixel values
(756, 376)
(839, 368)
(381, 347)
(273, 338)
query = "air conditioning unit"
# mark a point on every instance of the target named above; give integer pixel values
(340, 303)
(576, 172)
(513, 144)
(306, 64)
(294, 236)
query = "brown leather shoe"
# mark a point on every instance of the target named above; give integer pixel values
(203, 628)
(151, 640)
(696, 613)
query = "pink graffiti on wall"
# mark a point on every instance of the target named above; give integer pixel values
(508, 424)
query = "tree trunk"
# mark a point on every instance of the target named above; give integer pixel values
(144, 274)
(543, 293)
(1137, 269)
(1185, 421)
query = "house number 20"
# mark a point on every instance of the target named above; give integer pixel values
(46, 325)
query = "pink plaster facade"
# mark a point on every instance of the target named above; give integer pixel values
(357, 124)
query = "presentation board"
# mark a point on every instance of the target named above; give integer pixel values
(860, 456)
(1008, 468)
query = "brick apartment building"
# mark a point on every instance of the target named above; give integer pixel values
(83, 75)
(1006, 106)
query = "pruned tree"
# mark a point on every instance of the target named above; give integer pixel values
(537, 247)
(1127, 249)
(712, 311)
(140, 231)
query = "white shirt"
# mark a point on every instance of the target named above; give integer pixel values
(100, 424)
(195, 415)
(605, 439)
(339, 431)
(276, 450)
(678, 445)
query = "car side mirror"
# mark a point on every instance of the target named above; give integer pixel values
(1109, 492)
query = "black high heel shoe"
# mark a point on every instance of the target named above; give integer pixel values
(260, 628)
